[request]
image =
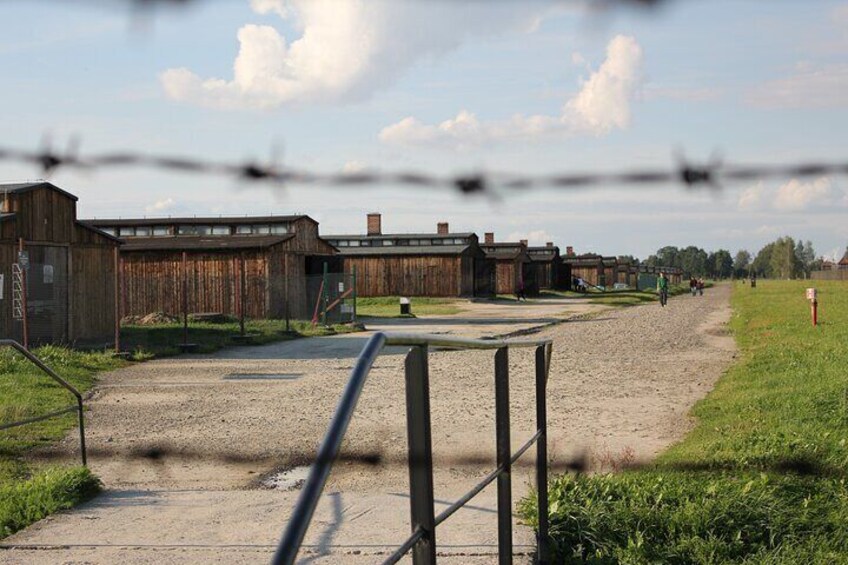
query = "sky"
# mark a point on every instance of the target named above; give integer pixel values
(446, 88)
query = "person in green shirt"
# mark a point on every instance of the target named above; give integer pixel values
(662, 289)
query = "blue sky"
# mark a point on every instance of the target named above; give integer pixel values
(447, 88)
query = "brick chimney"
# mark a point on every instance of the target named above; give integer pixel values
(569, 250)
(550, 244)
(524, 242)
(489, 237)
(442, 228)
(375, 226)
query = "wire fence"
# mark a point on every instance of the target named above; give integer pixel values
(710, 175)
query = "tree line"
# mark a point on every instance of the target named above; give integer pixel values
(783, 258)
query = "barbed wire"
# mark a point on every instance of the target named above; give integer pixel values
(711, 175)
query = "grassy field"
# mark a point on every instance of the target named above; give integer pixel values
(389, 306)
(160, 340)
(761, 479)
(29, 492)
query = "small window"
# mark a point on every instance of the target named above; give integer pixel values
(388, 243)
(203, 230)
(438, 242)
(244, 230)
(127, 231)
(363, 242)
(414, 242)
(342, 243)
(353, 243)
(185, 230)
(143, 231)
(262, 230)
(279, 229)
(220, 230)
(110, 231)
(161, 230)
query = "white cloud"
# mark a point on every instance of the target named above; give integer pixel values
(353, 166)
(752, 197)
(810, 86)
(534, 238)
(796, 195)
(346, 51)
(601, 105)
(160, 205)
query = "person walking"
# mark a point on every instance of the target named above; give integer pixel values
(693, 285)
(662, 289)
(519, 291)
(701, 287)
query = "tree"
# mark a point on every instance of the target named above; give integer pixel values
(693, 260)
(721, 264)
(784, 264)
(741, 263)
(762, 262)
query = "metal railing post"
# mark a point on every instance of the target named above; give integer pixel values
(504, 456)
(420, 455)
(542, 549)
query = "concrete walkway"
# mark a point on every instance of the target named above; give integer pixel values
(184, 448)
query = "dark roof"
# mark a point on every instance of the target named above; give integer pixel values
(195, 221)
(20, 187)
(504, 250)
(543, 258)
(193, 242)
(844, 260)
(404, 250)
(399, 236)
(543, 248)
(99, 232)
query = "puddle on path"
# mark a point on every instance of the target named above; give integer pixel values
(290, 479)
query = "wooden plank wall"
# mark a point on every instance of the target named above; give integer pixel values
(44, 215)
(92, 294)
(507, 276)
(589, 273)
(406, 275)
(153, 282)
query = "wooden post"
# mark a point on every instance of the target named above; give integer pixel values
(286, 282)
(23, 296)
(242, 292)
(185, 298)
(117, 303)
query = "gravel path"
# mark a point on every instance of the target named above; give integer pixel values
(180, 430)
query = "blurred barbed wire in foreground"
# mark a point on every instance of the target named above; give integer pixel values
(690, 175)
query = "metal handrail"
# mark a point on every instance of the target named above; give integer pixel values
(424, 522)
(52, 374)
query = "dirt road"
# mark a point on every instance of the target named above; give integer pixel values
(183, 444)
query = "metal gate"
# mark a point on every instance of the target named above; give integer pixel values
(332, 298)
(43, 272)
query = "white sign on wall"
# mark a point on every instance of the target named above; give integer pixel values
(2, 284)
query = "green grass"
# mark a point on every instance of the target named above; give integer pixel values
(161, 339)
(28, 492)
(27, 501)
(389, 306)
(761, 479)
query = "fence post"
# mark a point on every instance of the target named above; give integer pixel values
(542, 549)
(117, 303)
(324, 296)
(185, 298)
(504, 456)
(353, 269)
(420, 454)
(242, 291)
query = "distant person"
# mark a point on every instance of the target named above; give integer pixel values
(581, 285)
(701, 287)
(753, 280)
(662, 289)
(519, 291)
(693, 285)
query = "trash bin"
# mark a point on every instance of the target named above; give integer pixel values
(405, 306)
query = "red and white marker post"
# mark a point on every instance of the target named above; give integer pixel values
(814, 305)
